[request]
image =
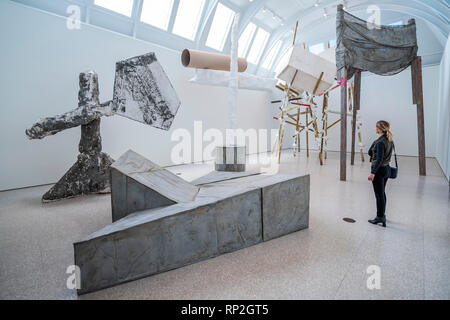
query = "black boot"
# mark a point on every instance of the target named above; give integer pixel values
(378, 220)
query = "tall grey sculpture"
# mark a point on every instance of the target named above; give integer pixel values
(142, 92)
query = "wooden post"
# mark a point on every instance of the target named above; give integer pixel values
(307, 134)
(297, 129)
(343, 158)
(356, 107)
(417, 90)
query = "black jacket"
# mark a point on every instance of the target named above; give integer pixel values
(380, 153)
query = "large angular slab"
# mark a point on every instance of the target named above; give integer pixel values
(305, 68)
(217, 176)
(224, 216)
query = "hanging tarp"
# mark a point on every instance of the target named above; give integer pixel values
(383, 50)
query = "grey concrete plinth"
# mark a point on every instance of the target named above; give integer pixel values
(230, 158)
(223, 216)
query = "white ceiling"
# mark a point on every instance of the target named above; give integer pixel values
(279, 18)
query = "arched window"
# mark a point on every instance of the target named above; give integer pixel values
(157, 13)
(220, 28)
(188, 18)
(270, 59)
(124, 7)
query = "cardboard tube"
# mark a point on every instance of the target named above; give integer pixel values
(206, 60)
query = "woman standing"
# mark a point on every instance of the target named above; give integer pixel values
(380, 156)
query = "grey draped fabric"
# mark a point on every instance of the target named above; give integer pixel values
(383, 50)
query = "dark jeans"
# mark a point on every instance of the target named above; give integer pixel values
(379, 185)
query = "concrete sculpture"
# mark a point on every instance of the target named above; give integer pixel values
(227, 212)
(308, 72)
(142, 92)
(89, 174)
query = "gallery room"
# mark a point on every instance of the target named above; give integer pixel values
(225, 150)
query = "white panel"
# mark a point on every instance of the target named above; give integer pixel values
(157, 13)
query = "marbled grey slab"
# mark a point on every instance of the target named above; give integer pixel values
(143, 92)
(217, 176)
(129, 196)
(151, 175)
(225, 216)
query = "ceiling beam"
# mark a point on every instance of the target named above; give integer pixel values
(249, 13)
(413, 7)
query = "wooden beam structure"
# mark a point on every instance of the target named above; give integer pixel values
(417, 93)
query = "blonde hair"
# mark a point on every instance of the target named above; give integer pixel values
(385, 127)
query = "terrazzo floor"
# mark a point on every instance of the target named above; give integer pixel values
(327, 261)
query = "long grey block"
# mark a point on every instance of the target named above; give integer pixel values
(162, 239)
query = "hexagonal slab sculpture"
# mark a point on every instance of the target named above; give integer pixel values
(144, 93)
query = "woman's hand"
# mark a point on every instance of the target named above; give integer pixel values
(371, 177)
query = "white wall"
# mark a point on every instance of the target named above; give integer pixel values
(40, 63)
(443, 123)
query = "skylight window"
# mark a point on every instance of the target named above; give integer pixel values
(223, 18)
(394, 24)
(283, 61)
(124, 7)
(188, 18)
(258, 46)
(317, 48)
(246, 39)
(157, 13)
(268, 62)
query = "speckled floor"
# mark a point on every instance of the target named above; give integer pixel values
(327, 261)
